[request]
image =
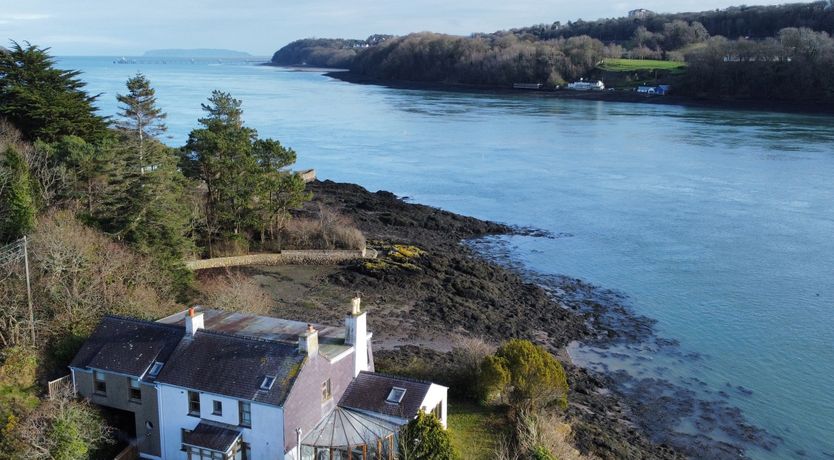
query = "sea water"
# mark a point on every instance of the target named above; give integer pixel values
(719, 224)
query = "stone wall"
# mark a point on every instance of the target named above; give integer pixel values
(289, 257)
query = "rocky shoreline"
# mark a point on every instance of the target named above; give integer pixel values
(461, 283)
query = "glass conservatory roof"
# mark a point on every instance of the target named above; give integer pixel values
(344, 427)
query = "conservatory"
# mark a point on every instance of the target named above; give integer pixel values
(350, 435)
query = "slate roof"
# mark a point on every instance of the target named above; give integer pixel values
(369, 392)
(233, 366)
(331, 339)
(211, 437)
(127, 346)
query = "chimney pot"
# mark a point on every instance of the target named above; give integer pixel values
(193, 321)
(356, 335)
(309, 342)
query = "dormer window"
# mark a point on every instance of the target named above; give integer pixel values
(267, 382)
(396, 395)
(155, 369)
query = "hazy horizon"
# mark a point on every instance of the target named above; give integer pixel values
(260, 27)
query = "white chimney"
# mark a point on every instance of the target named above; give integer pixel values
(356, 334)
(309, 341)
(193, 321)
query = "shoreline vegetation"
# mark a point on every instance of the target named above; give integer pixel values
(749, 57)
(811, 108)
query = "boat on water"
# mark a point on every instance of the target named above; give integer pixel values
(583, 85)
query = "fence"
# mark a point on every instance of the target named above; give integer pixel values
(58, 385)
(290, 257)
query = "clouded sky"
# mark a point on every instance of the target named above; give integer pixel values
(117, 27)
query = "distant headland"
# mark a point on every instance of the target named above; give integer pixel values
(769, 56)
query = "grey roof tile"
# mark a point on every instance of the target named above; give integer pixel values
(233, 366)
(211, 437)
(369, 392)
(127, 346)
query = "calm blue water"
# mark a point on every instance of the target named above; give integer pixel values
(718, 224)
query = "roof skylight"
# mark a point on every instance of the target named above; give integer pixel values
(267, 383)
(396, 395)
(155, 369)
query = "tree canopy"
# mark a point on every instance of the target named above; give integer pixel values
(45, 102)
(526, 375)
(248, 188)
(17, 204)
(140, 116)
(424, 438)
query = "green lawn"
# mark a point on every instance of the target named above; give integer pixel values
(631, 65)
(475, 429)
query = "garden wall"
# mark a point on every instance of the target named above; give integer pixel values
(289, 257)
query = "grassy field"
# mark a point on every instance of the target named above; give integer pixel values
(474, 429)
(633, 65)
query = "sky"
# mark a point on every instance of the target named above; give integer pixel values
(260, 27)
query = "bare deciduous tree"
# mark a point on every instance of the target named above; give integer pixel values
(236, 292)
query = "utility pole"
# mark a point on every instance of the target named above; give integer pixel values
(29, 288)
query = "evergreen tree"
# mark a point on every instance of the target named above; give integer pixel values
(148, 210)
(424, 438)
(89, 167)
(529, 375)
(279, 190)
(42, 101)
(247, 186)
(17, 203)
(140, 115)
(146, 203)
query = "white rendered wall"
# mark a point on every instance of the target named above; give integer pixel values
(173, 417)
(437, 394)
(356, 334)
(229, 413)
(265, 438)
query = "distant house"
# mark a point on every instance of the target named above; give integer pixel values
(640, 13)
(583, 85)
(207, 384)
(661, 90)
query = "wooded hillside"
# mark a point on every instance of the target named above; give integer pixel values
(782, 53)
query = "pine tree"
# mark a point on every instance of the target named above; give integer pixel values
(146, 206)
(141, 117)
(44, 102)
(17, 203)
(279, 190)
(89, 168)
(248, 188)
(220, 155)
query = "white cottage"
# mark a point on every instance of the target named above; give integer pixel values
(207, 384)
